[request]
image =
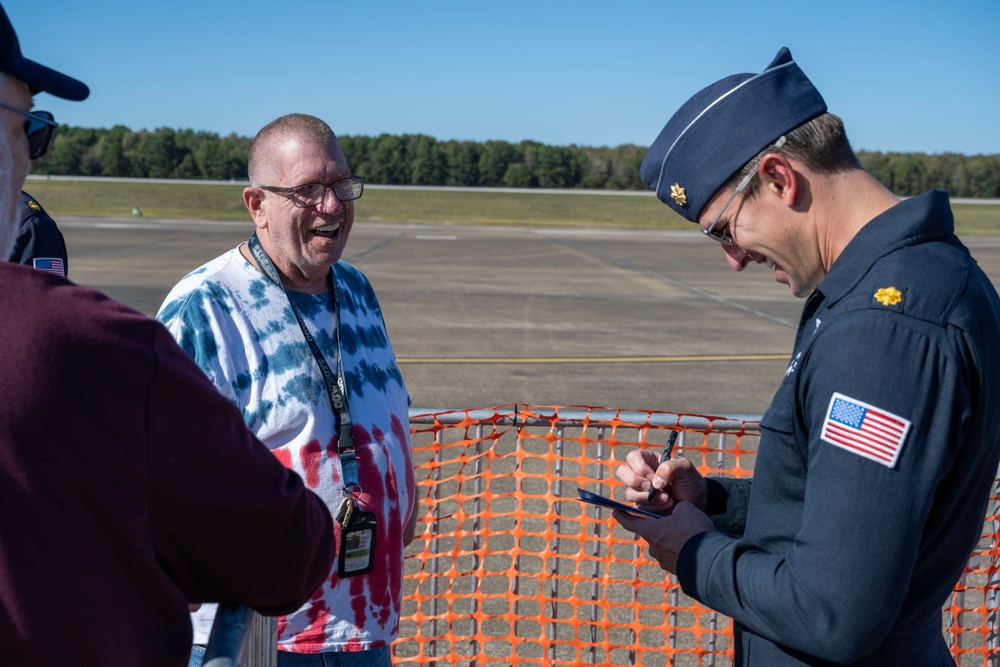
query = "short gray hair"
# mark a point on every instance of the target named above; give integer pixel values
(262, 149)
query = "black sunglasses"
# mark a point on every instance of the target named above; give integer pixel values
(39, 127)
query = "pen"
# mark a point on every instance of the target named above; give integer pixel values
(667, 450)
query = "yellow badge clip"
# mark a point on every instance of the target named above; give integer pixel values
(678, 194)
(888, 296)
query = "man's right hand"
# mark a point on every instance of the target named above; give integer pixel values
(677, 478)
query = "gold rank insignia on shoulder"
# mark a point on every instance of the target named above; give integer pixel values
(678, 194)
(888, 296)
(33, 205)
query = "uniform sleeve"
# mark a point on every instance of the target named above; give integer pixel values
(728, 500)
(862, 520)
(37, 236)
(230, 523)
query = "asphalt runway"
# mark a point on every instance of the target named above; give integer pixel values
(485, 316)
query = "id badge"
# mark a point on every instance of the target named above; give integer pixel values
(357, 545)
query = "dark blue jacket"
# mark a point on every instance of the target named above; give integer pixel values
(875, 461)
(38, 238)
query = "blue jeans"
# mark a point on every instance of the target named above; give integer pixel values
(377, 657)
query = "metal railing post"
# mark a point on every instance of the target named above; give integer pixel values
(241, 638)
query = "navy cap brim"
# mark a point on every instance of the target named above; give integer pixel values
(42, 79)
(38, 77)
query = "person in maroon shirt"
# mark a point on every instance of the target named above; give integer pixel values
(129, 487)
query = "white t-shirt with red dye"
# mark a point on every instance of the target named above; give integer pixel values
(240, 330)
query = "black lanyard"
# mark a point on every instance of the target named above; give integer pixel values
(336, 386)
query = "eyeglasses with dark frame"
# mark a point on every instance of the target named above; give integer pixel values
(723, 235)
(39, 127)
(311, 194)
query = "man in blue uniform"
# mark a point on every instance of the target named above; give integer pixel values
(39, 242)
(878, 452)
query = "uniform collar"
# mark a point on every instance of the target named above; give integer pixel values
(915, 220)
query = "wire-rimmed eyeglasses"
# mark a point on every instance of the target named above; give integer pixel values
(723, 236)
(39, 127)
(311, 194)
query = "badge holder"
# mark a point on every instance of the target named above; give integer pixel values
(357, 528)
(357, 540)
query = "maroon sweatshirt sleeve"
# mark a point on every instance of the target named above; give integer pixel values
(130, 487)
(230, 523)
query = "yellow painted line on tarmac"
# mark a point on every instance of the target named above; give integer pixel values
(590, 360)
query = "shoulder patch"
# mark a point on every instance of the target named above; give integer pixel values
(50, 264)
(888, 296)
(863, 429)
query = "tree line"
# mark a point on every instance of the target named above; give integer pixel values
(416, 159)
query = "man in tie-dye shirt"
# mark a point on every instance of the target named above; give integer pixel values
(246, 333)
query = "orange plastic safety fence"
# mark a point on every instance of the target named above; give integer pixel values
(972, 620)
(509, 568)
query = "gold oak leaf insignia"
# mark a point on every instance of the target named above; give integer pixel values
(32, 205)
(888, 296)
(678, 194)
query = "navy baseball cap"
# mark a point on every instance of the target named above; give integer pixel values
(38, 77)
(722, 128)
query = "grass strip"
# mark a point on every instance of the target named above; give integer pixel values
(116, 199)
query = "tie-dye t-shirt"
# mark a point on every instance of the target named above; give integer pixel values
(239, 328)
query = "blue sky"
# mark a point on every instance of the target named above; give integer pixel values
(905, 76)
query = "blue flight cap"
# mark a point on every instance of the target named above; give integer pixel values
(38, 77)
(722, 128)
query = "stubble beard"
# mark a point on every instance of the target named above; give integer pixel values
(8, 202)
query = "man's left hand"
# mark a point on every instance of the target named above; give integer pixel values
(667, 536)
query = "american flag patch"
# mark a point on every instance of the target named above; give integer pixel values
(50, 264)
(863, 429)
